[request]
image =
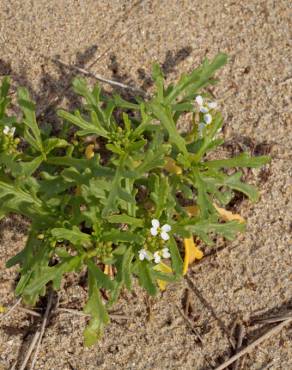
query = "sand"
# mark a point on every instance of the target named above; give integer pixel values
(248, 277)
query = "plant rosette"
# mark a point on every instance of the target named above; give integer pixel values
(111, 198)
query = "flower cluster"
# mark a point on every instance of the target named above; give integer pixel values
(205, 107)
(144, 254)
(154, 231)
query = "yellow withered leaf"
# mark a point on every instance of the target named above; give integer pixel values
(108, 270)
(172, 167)
(89, 151)
(192, 253)
(228, 216)
(162, 267)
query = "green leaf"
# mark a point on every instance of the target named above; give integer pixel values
(165, 117)
(96, 309)
(117, 236)
(53, 143)
(32, 132)
(124, 273)
(50, 273)
(199, 78)
(74, 236)
(203, 227)
(4, 99)
(234, 182)
(14, 199)
(145, 278)
(242, 160)
(160, 194)
(103, 280)
(176, 260)
(18, 168)
(125, 219)
(88, 128)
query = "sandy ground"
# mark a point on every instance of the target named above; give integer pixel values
(249, 277)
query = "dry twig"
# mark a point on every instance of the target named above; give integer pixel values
(240, 335)
(30, 312)
(190, 325)
(272, 319)
(275, 330)
(99, 77)
(31, 347)
(80, 313)
(43, 327)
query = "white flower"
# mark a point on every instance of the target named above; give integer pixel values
(143, 254)
(164, 230)
(157, 257)
(165, 253)
(155, 226)
(8, 131)
(208, 118)
(199, 100)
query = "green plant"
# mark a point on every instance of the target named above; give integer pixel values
(96, 196)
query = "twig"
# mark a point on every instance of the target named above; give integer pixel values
(272, 319)
(99, 77)
(43, 327)
(80, 313)
(210, 308)
(31, 347)
(240, 335)
(190, 325)
(30, 312)
(10, 309)
(275, 330)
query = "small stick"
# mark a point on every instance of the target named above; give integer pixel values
(31, 347)
(30, 312)
(99, 77)
(10, 309)
(190, 324)
(240, 336)
(44, 323)
(250, 347)
(80, 313)
(272, 319)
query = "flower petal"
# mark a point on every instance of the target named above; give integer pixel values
(142, 255)
(154, 231)
(155, 223)
(208, 118)
(6, 130)
(165, 253)
(204, 110)
(157, 258)
(166, 228)
(199, 100)
(164, 235)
